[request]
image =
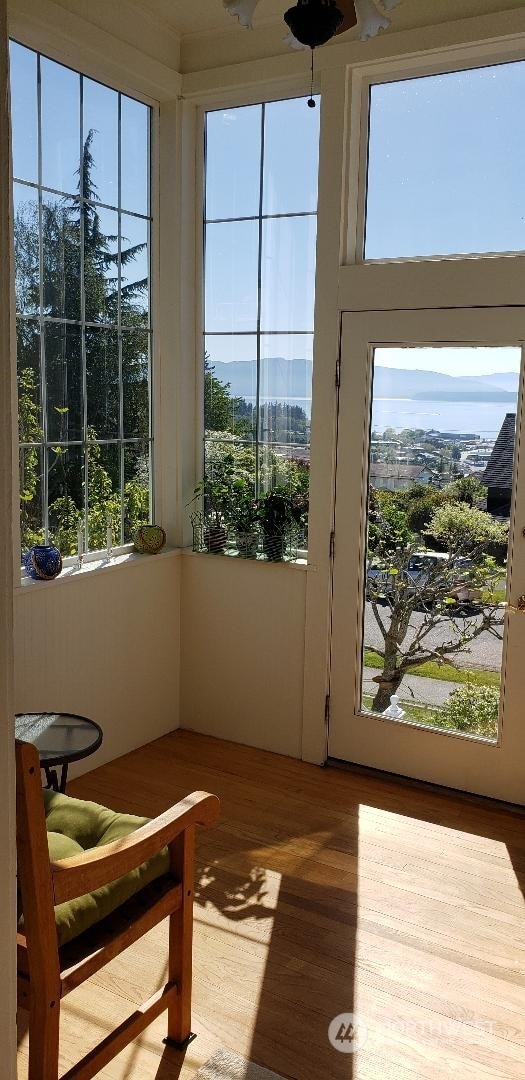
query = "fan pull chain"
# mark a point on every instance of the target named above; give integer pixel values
(311, 102)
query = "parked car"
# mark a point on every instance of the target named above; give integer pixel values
(422, 576)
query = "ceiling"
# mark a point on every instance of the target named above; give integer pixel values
(201, 16)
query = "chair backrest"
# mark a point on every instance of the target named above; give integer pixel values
(34, 872)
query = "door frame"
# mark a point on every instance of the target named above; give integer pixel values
(485, 768)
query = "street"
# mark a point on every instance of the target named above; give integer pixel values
(483, 653)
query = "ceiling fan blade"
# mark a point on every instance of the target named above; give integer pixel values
(349, 16)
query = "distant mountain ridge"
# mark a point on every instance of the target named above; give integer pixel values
(291, 381)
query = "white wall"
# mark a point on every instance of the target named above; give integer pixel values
(242, 650)
(105, 644)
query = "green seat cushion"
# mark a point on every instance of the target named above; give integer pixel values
(75, 826)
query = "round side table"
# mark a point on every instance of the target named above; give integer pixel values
(60, 738)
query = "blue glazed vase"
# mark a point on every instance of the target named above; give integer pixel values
(43, 562)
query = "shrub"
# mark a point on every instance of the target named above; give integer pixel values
(473, 709)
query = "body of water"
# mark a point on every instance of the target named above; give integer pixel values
(482, 418)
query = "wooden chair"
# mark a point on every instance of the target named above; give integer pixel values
(46, 972)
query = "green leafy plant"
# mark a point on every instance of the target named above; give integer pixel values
(279, 513)
(473, 710)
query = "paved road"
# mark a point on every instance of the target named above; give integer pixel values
(484, 652)
(413, 688)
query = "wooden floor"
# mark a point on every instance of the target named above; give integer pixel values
(323, 892)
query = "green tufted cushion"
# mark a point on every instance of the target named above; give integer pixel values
(74, 826)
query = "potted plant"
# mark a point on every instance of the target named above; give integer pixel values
(244, 519)
(216, 497)
(280, 513)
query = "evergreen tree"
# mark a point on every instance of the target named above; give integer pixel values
(66, 223)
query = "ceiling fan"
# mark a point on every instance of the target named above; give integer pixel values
(314, 22)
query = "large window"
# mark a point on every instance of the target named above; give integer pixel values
(82, 241)
(446, 163)
(260, 237)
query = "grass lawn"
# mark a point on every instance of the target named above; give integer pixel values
(444, 672)
(420, 714)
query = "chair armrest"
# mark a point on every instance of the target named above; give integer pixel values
(84, 873)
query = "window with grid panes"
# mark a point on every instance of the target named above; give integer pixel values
(261, 166)
(82, 225)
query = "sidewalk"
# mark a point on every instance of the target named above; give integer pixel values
(413, 688)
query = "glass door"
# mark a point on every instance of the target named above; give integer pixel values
(429, 548)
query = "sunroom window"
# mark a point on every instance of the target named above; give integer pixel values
(82, 224)
(260, 238)
(445, 164)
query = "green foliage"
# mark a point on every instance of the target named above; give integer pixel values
(468, 489)
(222, 411)
(65, 221)
(473, 710)
(388, 528)
(421, 510)
(464, 530)
(279, 511)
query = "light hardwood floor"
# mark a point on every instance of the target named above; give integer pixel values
(322, 892)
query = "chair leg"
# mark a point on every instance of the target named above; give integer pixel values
(44, 1018)
(181, 941)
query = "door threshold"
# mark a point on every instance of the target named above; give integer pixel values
(425, 785)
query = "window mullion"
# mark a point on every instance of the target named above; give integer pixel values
(259, 300)
(84, 433)
(119, 323)
(43, 387)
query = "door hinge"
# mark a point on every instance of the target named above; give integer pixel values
(327, 710)
(332, 544)
(338, 372)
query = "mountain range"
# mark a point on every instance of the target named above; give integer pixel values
(291, 380)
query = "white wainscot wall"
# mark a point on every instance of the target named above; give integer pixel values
(105, 644)
(242, 650)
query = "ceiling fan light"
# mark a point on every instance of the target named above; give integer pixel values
(292, 42)
(243, 9)
(370, 19)
(314, 22)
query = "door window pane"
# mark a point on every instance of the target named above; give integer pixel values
(445, 165)
(441, 473)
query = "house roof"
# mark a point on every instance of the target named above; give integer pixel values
(500, 468)
(411, 472)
